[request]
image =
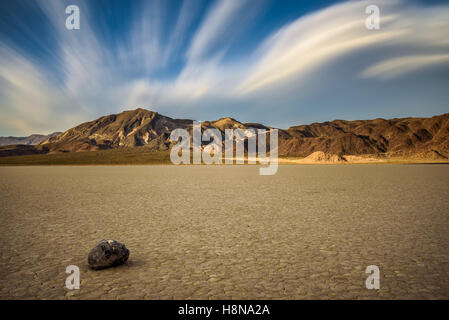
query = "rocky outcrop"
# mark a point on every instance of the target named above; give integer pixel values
(107, 253)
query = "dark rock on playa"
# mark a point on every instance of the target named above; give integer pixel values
(107, 253)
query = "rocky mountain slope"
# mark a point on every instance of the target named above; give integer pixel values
(127, 129)
(30, 140)
(417, 138)
(405, 137)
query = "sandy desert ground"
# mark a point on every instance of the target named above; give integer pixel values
(224, 232)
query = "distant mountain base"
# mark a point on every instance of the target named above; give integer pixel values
(125, 156)
(143, 156)
(320, 157)
(21, 150)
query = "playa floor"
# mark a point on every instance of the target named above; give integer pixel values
(224, 232)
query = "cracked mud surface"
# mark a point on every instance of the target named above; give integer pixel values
(217, 232)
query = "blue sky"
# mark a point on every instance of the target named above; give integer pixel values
(281, 63)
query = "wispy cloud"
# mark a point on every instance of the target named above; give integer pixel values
(315, 40)
(396, 67)
(217, 26)
(289, 67)
(30, 103)
(186, 16)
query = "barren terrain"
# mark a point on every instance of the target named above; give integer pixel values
(219, 232)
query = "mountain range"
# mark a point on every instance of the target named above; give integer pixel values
(414, 138)
(30, 140)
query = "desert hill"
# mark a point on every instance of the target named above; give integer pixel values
(407, 137)
(127, 129)
(133, 128)
(415, 138)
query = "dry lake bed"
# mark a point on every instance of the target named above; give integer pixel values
(224, 232)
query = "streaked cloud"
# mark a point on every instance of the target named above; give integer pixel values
(30, 103)
(217, 26)
(315, 40)
(396, 67)
(180, 65)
